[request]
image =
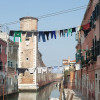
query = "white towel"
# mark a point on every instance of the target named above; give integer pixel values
(39, 70)
(31, 70)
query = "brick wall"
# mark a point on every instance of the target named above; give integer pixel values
(86, 76)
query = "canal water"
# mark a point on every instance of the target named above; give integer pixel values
(43, 94)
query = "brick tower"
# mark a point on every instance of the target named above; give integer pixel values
(28, 50)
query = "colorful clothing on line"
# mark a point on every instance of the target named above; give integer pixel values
(29, 34)
(53, 34)
(44, 69)
(79, 28)
(61, 68)
(69, 31)
(86, 27)
(11, 33)
(31, 70)
(17, 34)
(21, 70)
(39, 70)
(41, 34)
(61, 33)
(65, 32)
(58, 32)
(74, 29)
(47, 34)
(50, 69)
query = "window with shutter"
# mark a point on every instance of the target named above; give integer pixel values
(93, 15)
(99, 9)
(1, 65)
(9, 63)
(99, 46)
(96, 11)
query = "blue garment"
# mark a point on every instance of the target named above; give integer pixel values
(65, 31)
(41, 34)
(47, 34)
(67, 34)
(53, 33)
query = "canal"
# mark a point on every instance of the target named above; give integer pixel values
(43, 94)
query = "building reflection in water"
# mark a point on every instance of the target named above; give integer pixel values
(43, 94)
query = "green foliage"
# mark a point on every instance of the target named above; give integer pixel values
(66, 72)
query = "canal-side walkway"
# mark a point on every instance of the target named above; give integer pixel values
(77, 95)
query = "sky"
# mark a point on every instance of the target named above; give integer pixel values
(54, 50)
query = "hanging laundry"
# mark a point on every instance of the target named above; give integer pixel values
(77, 36)
(11, 33)
(31, 70)
(65, 32)
(21, 70)
(53, 34)
(58, 32)
(47, 34)
(29, 34)
(17, 34)
(79, 28)
(61, 68)
(61, 33)
(44, 69)
(35, 33)
(39, 70)
(23, 33)
(50, 69)
(74, 29)
(41, 34)
(55, 67)
(86, 27)
(69, 31)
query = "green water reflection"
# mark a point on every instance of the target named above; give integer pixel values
(43, 94)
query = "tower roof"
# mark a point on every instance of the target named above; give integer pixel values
(28, 17)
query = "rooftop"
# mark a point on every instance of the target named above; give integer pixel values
(28, 17)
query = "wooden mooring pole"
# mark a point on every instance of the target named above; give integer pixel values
(61, 90)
